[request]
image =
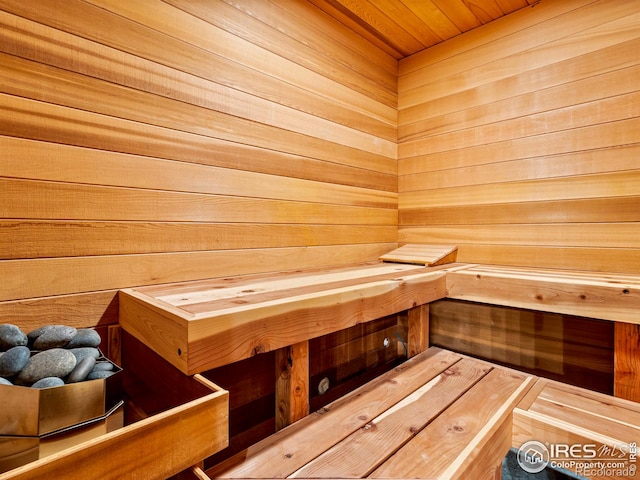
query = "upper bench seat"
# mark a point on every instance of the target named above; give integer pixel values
(201, 325)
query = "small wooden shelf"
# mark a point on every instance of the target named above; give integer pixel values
(419, 254)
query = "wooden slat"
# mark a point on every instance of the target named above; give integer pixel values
(162, 48)
(511, 103)
(27, 199)
(590, 235)
(567, 188)
(580, 32)
(609, 209)
(60, 276)
(626, 363)
(609, 298)
(288, 450)
(21, 239)
(563, 414)
(81, 128)
(464, 432)
(362, 452)
(254, 21)
(127, 69)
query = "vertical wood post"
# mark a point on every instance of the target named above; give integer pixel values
(418, 323)
(626, 361)
(292, 384)
(114, 344)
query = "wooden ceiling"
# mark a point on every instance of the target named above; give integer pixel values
(404, 27)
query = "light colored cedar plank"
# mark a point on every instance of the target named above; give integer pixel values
(610, 109)
(36, 239)
(352, 21)
(570, 295)
(292, 384)
(522, 23)
(584, 276)
(65, 163)
(361, 452)
(129, 70)
(118, 32)
(360, 47)
(460, 432)
(531, 396)
(202, 125)
(151, 108)
(612, 235)
(54, 123)
(284, 452)
(459, 14)
(45, 277)
(618, 410)
(487, 463)
(27, 199)
(221, 337)
(144, 448)
(302, 41)
(525, 93)
(562, 188)
(594, 259)
(417, 330)
(80, 311)
(221, 290)
(427, 121)
(626, 382)
(602, 27)
(585, 419)
(553, 143)
(174, 291)
(591, 210)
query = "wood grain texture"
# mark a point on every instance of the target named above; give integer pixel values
(610, 297)
(560, 413)
(216, 323)
(132, 142)
(626, 364)
(269, 457)
(517, 130)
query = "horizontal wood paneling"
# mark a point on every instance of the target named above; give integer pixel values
(521, 144)
(148, 142)
(570, 349)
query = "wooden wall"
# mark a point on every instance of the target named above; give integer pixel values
(519, 141)
(149, 141)
(566, 348)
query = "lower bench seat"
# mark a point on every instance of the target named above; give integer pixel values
(589, 433)
(438, 415)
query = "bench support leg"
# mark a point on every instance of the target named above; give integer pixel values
(626, 382)
(292, 384)
(418, 322)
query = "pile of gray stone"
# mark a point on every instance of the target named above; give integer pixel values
(50, 356)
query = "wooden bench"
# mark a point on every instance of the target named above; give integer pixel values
(201, 325)
(438, 415)
(592, 434)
